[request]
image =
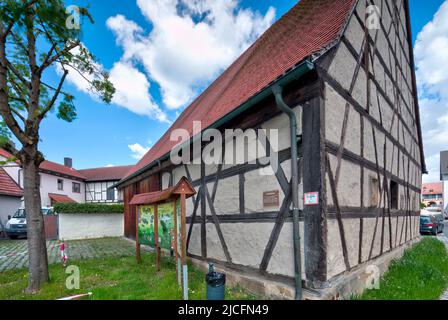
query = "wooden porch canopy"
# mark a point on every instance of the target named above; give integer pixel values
(182, 187)
(181, 191)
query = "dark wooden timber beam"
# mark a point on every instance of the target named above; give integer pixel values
(315, 224)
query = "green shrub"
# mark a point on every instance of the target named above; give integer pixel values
(88, 208)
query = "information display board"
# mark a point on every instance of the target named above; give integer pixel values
(146, 231)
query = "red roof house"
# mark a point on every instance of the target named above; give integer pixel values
(432, 188)
(8, 186)
(105, 173)
(49, 167)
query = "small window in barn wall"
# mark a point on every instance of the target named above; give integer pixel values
(76, 187)
(374, 192)
(60, 184)
(111, 194)
(393, 194)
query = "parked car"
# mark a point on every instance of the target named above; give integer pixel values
(16, 225)
(431, 223)
(428, 224)
(441, 221)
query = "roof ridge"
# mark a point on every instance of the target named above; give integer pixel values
(121, 166)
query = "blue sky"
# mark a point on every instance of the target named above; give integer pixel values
(102, 134)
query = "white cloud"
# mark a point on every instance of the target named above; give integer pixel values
(138, 151)
(432, 75)
(110, 166)
(131, 85)
(190, 42)
(132, 91)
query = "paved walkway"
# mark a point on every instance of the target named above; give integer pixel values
(14, 253)
(444, 239)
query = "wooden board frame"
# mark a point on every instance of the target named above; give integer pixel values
(178, 193)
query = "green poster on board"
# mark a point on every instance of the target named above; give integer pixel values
(146, 226)
(166, 225)
(146, 232)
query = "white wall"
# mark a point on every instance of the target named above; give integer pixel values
(8, 206)
(90, 225)
(49, 184)
(445, 191)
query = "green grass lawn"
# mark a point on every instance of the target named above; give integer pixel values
(114, 278)
(421, 274)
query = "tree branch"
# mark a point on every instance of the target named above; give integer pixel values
(13, 21)
(47, 57)
(12, 124)
(17, 73)
(79, 72)
(19, 42)
(53, 99)
(5, 110)
(57, 56)
(15, 111)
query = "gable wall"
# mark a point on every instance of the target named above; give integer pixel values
(371, 134)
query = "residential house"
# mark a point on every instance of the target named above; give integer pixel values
(99, 184)
(63, 183)
(347, 71)
(432, 194)
(10, 197)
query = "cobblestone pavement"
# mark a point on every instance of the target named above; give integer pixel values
(14, 253)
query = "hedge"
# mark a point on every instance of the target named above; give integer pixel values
(88, 208)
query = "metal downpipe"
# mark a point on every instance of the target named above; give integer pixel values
(277, 91)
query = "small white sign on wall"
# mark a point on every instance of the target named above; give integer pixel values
(311, 198)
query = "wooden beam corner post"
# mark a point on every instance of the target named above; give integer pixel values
(315, 223)
(175, 245)
(156, 236)
(137, 240)
(184, 246)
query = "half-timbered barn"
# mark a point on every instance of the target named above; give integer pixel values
(345, 69)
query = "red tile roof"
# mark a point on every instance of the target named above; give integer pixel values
(8, 186)
(59, 168)
(105, 174)
(432, 188)
(6, 154)
(308, 28)
(50, 166)
(60, 198)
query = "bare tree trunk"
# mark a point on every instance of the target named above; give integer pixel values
(37, 249)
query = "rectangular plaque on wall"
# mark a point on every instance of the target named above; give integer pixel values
(271, 199)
